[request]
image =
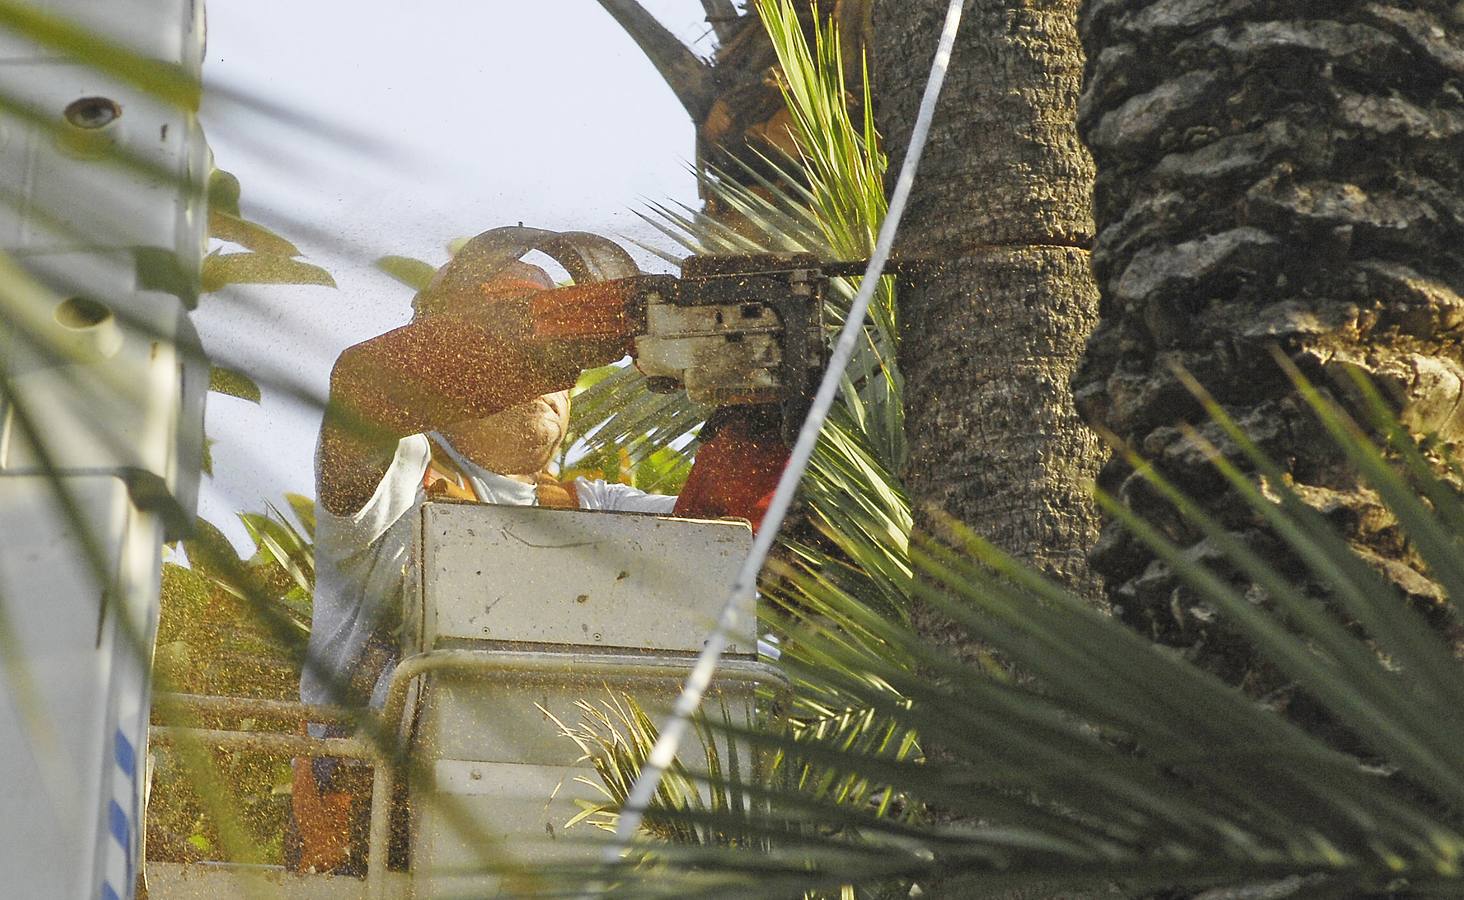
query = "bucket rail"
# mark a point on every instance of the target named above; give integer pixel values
(523, 666)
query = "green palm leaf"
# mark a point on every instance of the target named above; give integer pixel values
(1088, 755)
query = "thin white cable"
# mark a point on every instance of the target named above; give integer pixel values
(744, 587)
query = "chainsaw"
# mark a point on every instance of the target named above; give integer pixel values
(743, 329)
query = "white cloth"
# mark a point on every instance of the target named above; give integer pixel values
(361, 560)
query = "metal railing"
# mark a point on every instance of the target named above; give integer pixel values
(523, 666)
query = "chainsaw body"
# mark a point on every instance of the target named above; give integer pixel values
(731, 330)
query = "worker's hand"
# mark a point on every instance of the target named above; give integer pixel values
(568, 329)
(588, 323)
(741, 457)
(590, 353)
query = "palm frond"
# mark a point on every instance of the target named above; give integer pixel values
(829, 203)
(1088, 755)
(1112, 760)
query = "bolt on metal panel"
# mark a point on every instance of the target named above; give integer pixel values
(107, 396)
(104, 166)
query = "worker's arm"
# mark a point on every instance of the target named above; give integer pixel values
(738, 465)
(429, 374)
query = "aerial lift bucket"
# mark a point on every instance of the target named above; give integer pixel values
(522, 613)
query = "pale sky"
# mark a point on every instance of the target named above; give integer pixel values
(491, 112)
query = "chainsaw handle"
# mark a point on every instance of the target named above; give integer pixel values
(596, 311)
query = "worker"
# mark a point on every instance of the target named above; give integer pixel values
(457, 404)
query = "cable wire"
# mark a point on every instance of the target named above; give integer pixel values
(744, 587)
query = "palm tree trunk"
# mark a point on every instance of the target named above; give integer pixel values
(1269, 174)
(993, 331)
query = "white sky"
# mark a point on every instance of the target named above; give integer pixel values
(493, 112)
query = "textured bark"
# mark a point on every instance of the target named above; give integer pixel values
(722, 16)
(1278, 173)
(993, 331)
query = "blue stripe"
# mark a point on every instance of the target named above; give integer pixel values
(108, 893)
(126, 756)
(117, 820)
(121, 827)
